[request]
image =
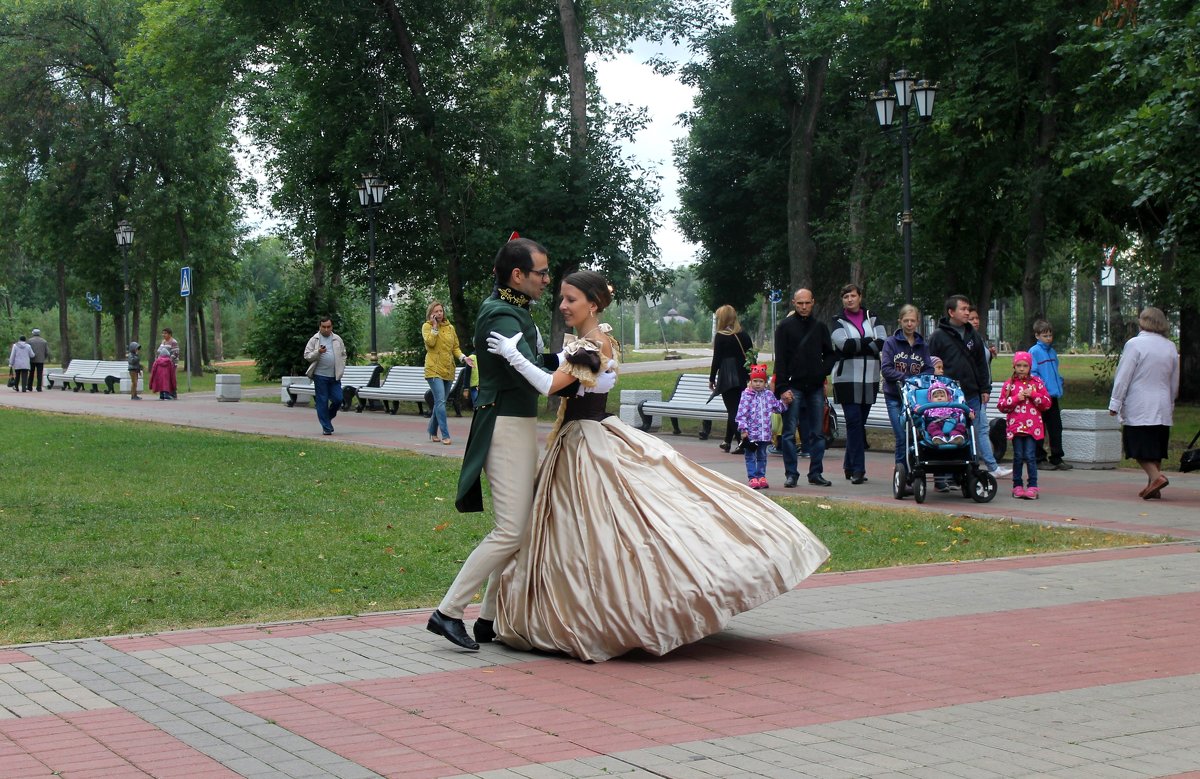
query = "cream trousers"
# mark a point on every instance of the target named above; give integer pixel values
(511, 467)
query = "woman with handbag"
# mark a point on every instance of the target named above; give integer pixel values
(730, 371)
(1143, 395)
(19, 361)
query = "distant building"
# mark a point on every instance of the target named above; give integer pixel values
(674, 317)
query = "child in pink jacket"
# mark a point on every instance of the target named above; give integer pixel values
(1024, 398)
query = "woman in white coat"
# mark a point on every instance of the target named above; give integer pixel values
(1143, 395)
(19, 362)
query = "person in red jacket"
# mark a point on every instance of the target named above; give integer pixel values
(1023, 398)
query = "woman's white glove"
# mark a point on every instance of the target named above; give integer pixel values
(604, 382)
(507, 349)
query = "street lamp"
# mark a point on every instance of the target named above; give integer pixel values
(909, 92)
(124, 234)
(370, 194)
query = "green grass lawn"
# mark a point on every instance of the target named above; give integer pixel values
(111, 527)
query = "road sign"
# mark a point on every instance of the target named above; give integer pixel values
(93, 301)
(185, 282)
(1108, 276)
(775, 296)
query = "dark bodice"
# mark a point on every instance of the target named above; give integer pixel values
(590, 406)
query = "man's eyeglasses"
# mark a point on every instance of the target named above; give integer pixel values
(544, 273)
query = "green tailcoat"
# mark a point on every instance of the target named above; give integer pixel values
(502, 391)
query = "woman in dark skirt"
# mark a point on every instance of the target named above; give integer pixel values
(729, 373)
(1143, 394)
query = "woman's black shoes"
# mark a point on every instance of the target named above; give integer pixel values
(724, 447)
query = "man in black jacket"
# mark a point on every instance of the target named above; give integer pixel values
(803, 358)
(964, 358)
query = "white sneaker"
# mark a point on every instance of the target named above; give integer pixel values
(1001, 472)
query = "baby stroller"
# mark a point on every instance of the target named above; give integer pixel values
(956, 457)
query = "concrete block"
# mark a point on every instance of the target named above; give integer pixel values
(229, 387)
(629, 402)
(301, 400)
(1091, 439)
(125, 384)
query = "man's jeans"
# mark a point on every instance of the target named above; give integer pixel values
(806, 409)
(895, 408)
(328, 392)
(983, 444)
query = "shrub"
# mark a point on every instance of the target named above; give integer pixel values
(288, 318)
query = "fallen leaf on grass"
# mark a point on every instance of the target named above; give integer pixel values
(302, 454)
(441, 527)
(824, 506)
(437, 498)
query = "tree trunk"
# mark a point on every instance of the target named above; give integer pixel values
(1035, 240)
(135, 314)
(990, 257)
(155, 302)
(427, 123)
(203, 332)
(856, 218)
(1189, 349)
(218, 336)
(60, 288)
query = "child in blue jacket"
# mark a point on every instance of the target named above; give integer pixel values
(1045, 367)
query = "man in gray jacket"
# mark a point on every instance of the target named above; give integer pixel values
(326, 355)
(41, 356)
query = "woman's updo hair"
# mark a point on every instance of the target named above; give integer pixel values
(593, 286)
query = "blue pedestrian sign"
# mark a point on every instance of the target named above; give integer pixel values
(93, 301)
(185, 282)
(775, 296)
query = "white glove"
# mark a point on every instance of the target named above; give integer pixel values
(605, 381)
(507, 349)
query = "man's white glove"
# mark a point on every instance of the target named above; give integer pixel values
(604, 382)
(507, 349)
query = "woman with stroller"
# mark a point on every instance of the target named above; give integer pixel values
(857, 344)
(904, 354)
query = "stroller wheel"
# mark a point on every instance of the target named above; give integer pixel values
(918, 487)
(983, 488)
(900, 481)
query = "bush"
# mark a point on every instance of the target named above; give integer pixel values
(288, 318)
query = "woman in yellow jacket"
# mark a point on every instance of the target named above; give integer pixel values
(441, 351)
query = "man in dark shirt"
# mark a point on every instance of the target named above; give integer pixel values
(803, 358)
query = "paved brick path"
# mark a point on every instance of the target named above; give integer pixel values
(1072, 665)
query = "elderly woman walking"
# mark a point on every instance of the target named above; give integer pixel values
(1143, 395)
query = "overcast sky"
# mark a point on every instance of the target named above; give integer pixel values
(627, 79)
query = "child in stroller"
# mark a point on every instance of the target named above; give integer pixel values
(944, 424)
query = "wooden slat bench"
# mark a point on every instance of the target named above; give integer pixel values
(109, 373)
(66, 375)
(689, 400)
(404, 383)
(354, 379)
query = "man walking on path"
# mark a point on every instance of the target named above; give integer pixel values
(37, 363)
(803, 358)
(326, 355)
(963, 353)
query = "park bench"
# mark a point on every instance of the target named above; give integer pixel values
(407, 383)
(107, 372)
(66, 375)
(689, 400)
(354, 379)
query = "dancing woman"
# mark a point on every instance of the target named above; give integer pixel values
(630, 544)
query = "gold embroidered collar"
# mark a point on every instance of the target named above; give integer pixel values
(508, 295)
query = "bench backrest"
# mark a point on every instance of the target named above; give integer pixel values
(82, 367)
(410, 378)
(360, 375)
(693, 389)
(112, 368)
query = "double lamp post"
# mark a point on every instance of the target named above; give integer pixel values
(371, 190)
(909, 92)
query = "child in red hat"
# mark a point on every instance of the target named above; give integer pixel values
(753, 420)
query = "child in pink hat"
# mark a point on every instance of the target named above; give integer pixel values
(1023, 398)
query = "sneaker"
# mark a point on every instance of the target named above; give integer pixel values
(1001, 472)
(753, 483)
(1019, 492)
(937, 439)
(762, 484)
(800, 453)
(772, 449)
(943, 487)
(1031, 493)
(1063, 465)
(957, 439)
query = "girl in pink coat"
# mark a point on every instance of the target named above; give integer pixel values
(1024, 398)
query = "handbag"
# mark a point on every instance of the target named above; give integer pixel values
(729, 373)
(1190, 459)
(830, 427)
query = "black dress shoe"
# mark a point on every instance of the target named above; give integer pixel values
(849, 475)
(819, 481)
(723, 447)
(485, 631)
(790, 481)
(859, 478)
(453, 629)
